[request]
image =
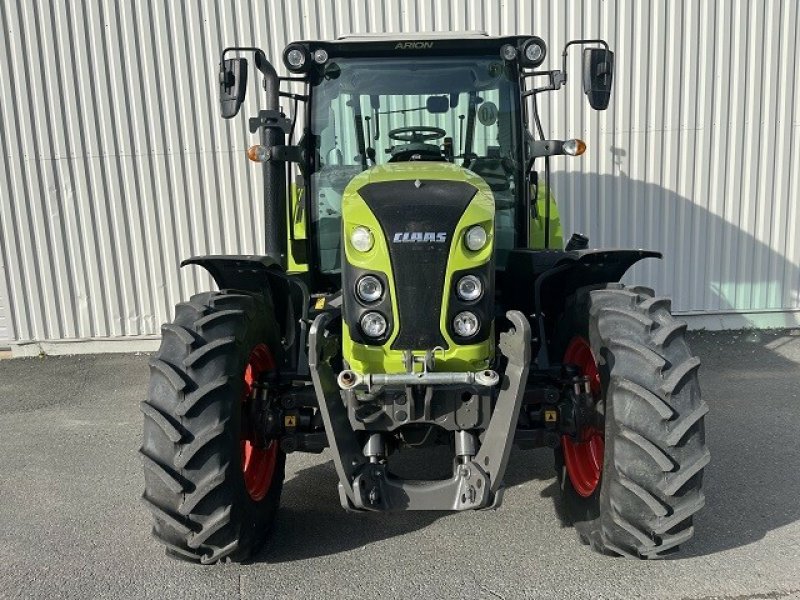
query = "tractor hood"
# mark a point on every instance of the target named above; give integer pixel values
(418, 214)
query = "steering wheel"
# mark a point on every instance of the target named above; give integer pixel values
(416, 133)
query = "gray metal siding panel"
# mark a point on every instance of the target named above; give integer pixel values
(114, 169)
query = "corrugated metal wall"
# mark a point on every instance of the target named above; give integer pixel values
(116, 164)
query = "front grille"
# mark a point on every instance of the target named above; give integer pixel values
(419, 262)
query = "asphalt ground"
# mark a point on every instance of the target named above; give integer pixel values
(72, 526)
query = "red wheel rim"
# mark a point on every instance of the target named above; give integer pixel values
(258, 464)
(584, 457)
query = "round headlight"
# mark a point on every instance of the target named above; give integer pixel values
(320, 56)
(469, 288)
(362, 239)
(475, 238)
(466, 324)
(508, 52)
(373, 324)
(534, 52)
(369, 288)
(295, 59)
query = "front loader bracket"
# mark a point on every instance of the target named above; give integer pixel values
(342, 440)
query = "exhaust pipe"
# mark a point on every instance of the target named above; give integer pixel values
(273, 135)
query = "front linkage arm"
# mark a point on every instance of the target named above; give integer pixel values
(476, 483)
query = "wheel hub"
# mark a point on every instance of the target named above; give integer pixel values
(258, 463)
(583, 455)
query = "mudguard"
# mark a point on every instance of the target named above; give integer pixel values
(251, 273)
(290, 296)
(552, 276)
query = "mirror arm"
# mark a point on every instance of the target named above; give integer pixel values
(262, 64)
(296, 97)
(527, 74)
(557, 79)
(603, 43)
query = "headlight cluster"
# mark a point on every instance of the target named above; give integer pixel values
(469, 288)
(297, 57)
(530, 52)
(369, 290)
(466, 324)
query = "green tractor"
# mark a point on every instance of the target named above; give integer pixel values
(415, 291)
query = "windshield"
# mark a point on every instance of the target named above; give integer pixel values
(369, 112)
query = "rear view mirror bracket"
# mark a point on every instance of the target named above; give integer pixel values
(598, 69)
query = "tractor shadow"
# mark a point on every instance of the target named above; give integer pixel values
(312, 523)
(750, 381)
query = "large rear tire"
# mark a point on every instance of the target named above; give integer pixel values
(213, 492)
(651, 466)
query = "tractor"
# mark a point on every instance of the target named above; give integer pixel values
(416, 291)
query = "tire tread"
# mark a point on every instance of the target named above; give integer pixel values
(655, 441)
(188, 429)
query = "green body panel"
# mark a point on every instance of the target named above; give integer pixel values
(536, 240)
(295, 228)
(355, 212)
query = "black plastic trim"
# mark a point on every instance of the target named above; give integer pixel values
(410, 48)
(483, 307)
(353, 308)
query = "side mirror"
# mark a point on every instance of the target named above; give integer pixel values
(232, 86)
(598, 74)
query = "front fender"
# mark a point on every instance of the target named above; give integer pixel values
(262, 274)
(238, 271)
(551, 276)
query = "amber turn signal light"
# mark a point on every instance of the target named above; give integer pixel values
(574, 147)
(258, 153)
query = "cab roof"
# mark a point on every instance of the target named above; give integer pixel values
(410, 45)
(405, 36)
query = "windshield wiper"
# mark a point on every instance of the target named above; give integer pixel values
(401, 111)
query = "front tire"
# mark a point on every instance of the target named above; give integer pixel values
(654, 441)
(213, 492)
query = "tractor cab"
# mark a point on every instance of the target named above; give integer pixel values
(378, 100)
